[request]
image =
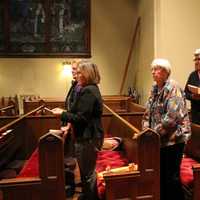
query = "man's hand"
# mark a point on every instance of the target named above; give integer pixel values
(65, 129)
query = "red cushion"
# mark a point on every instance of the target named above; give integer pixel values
(31, 167)
(111, 159)
(186, 172)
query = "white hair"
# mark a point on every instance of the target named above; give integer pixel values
(197, 52)
(162, 63)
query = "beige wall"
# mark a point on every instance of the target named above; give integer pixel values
(112, 25)
(145, 49)
(169, 29)
(179, 35)
(175, 37)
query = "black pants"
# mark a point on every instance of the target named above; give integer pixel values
(170, 160)
(195, 116)
(86, 154)
(70, 164)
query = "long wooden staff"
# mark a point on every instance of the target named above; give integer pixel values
(129, 55)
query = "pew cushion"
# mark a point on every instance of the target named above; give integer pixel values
(108, 159)
(186, 172)
(31, 166)
(111, 143)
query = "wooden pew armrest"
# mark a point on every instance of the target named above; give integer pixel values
(121, 175)
(13, 182)
(196, 167)
(196, 182)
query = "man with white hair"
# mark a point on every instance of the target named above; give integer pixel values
(194, 79)
(167, 114)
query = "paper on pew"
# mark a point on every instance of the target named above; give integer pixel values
(6, 132)
(47, 109)
(57, 111)
(131, 167)
(2, 134)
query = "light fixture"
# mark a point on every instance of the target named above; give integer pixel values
(66, 71)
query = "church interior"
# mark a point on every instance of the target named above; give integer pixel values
(124, 37)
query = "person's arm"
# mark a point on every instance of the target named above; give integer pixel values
(175, 112)
(84, 109)
(57, 111)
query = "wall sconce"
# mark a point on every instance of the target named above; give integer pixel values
(67, 68)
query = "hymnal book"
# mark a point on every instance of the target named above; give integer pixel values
(194, 89)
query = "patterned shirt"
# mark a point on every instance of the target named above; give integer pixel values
(167, 114)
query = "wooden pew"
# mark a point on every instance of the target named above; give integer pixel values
(140, 147)
(30, 104)
(118, 103)
(32, 126)
(133, 112)
(12, 140)
(192, 154)
(192, 150)
(50, 182)
(23, 137)
(9, 106)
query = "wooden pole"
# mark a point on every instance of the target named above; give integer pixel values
(129, 55)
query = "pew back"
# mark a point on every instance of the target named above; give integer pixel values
(50, 182)
(142, 148)
(9, 106)
(139, 147)
(30, 104)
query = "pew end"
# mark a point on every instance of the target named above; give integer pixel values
(190, 166)
(144, 182)
(196, 184)
(141, 148)
(50, 182)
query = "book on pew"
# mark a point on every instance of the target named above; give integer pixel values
(194, 89)
(131, 167)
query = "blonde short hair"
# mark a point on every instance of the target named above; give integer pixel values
(161, 63)
(90, 71)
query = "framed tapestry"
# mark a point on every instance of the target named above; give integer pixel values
(45, 28)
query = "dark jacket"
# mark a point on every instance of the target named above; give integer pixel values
(195, 104)
(70, 96)
(85, 114)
